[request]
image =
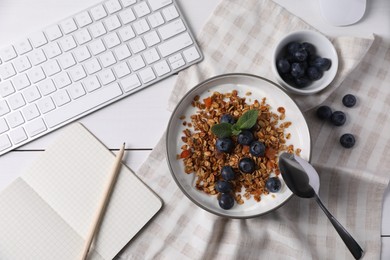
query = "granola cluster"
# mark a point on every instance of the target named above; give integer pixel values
(200, 156)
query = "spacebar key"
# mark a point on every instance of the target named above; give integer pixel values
(82, 105)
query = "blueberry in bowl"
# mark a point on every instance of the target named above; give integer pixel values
(304, 62)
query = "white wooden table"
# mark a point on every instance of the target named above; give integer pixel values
(141, 119)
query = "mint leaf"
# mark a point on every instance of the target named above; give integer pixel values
(248, 119)
(236, 130)
(222, 130)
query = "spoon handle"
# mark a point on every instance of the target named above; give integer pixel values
(349, 241)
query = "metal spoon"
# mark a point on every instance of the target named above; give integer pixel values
(302, 179)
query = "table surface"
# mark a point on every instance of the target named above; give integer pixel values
(141, 119)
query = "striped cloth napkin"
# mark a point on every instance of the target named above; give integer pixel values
(239, 37)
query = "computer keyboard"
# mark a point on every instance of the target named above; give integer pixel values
(87, 61)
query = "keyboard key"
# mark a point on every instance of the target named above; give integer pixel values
(126, 33)
(157, 4)
(7, 70)
(35, 127)
(15, 119)
(121, 70)
(46, 87)
(127, 3)
(51, 67)
(113, 6)
(30, 112)
(130, 83)
(107, 59)
(83, 36)
(191, 54)
(176, 61)
(141, 26)
(4, 108)
(175, 44)
(8, 53)
(52, 50)
(83, 19)
(77, 73)
(147, 75)
(97, 47)
(67, 43)
(137, 45)
(18, 135)
(16, 101)
(127, 16)
(6, 88)
(36, 74)
(106, 76)
(62, 80)
(21, 81)
(122, 52)
(5, 143)
(80, 106)
(68, 26)
(97, 29)
(38, 39)
(61, 97)
(91, 83)
(141, 9)
(161, 68)
(22, 63)
(37, 57)
(45, 105)
(155, 19)
(171, 29)
(151, 55)
(82, 53)
(98, 12)
(31, 94)
(92, 66)
(66, 60)
(136, 63)
(112, 40)
(112, 23)
(53, 32)
(3, 126)
(151, 38)
(23, 47)
(170, 13)
(76, 90)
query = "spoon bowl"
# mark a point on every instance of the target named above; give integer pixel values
(303, 180)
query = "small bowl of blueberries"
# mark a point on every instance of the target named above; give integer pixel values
(304, 62)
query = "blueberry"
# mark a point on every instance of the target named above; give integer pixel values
(223, 186)
(309, 48)
(347, 140)
(226, 201)
(302, 82)
(224, 145)
(314, 73)
(338, 118)
(257, 148)
(245, 137)
(321, 63)
(228, 173)
(246, 165)
(324, 112)
(349, 100)
(283, 65)
(292, 47)
(300, 55)
(273, 184)
(227, 118)
(297, 70)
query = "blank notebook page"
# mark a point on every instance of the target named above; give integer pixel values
(70, 177)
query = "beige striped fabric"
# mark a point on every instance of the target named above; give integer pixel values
(239, 37)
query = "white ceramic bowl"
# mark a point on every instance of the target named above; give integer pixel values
(243, 83)
(324, 48)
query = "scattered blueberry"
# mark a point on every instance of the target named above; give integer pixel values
(347, 140)
(224, 145)
(309, 48)
(300, 55)
(292, 47)
(283, 65)
(349, 100)
(324, 112)
(228, 173)
(297, 70)
(273, 184)
(313, 73)
(338, 118)
(223, 186)
(226, 201)
(246, 165)
(321, 63)
(257, 148)
(227, 118)
(245, 137)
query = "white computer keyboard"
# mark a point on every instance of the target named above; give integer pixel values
(87, 61)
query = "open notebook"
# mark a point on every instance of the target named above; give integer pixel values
(46, 213)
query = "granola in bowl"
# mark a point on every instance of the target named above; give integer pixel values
(200, 163)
